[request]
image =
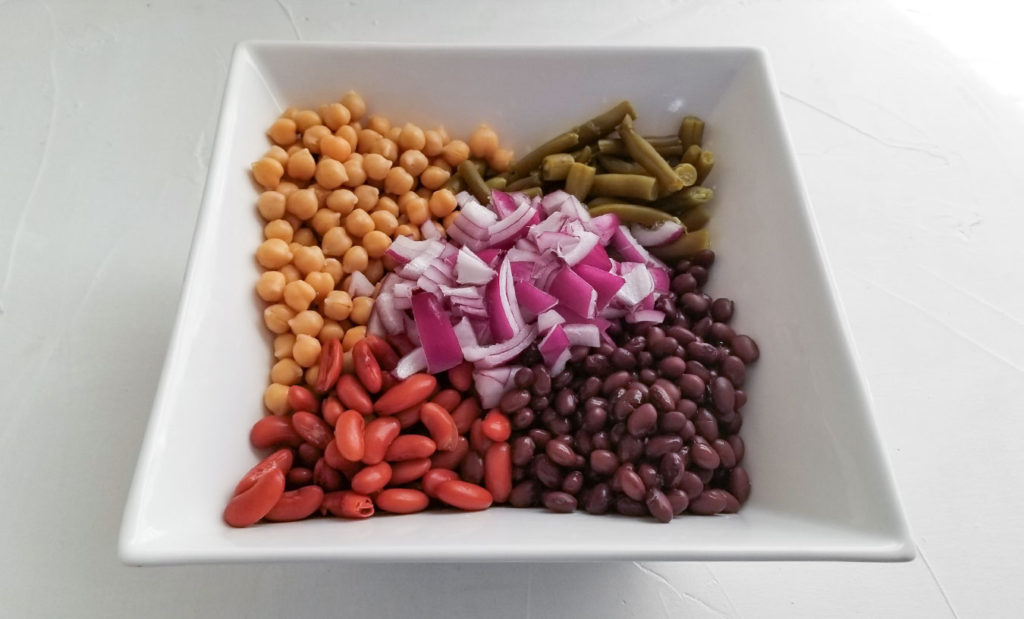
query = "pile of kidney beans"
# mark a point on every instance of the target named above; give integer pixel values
(649, 426)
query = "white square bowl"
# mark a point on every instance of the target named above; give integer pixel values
(822, 488)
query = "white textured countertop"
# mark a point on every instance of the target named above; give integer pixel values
(908, 120)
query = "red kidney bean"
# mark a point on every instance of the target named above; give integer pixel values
(559, 502)
(705, 475)
(299, 476)
(301, 399)
(732, 367)
(352, 394)
(410, 447)
(377, 437)
(642, 421)
(434, 478)
(721, 309)
(336, 461)
(745, 348)
(440, 426)
(498, 471)
(326, 477)
(465, 414)
(447, 399)
(738, 448)
(372, 478)
(472, 468)
(296, 504)
(496, 426)
(525, 494)
(658, 505)
(598, 500)
(274, 431)
(308, 454)
(382, 352)
(560, 453)
(331, 410)
(312, 428)
(451, 459)
(347, 504)
(411, 391)
(348, 433)
(402, 501)
(595, 419)
(603, 462)
(678, 500)
(523, 449)
(387, 381)
(331, 362)
(541, 380)
(409, 470)
(367, 369)
(461, 376)
(616, 381)
(704, 455)
(251, 505)
(478, 441)
(464, 495)
(583, 442)
(281, 460)
(739, 484)
(709, 502)
(683, 283)
(409, 417)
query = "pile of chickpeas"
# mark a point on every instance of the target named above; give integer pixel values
(339, 185)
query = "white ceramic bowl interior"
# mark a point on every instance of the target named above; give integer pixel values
(822, 488)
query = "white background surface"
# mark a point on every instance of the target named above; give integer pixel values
(908, 120)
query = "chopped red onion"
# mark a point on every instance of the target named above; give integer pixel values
(583, 335)
(412, 363)
(554, 348)
(437, 336)
(663, 234)
(604, 283)
(548, 319)
(470, 269)
(574, 293)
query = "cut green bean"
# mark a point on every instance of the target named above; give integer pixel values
(682, 201)
(633, 214)
(579, 180)
(524, 183)
(692, 154)
(603, 124)
(474, 182)
(696, 218)
(705, 162)
(555, 167)
(533, 192)
(686, 246)
(455, 184)
(644, 153)
(583, 155)
(594, 202)
(632, 186)
(615, 165)
(687, 173)
(691, 131)
(615, 147)
(531, 160)
(497, 182)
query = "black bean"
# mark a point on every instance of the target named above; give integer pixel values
(709, 502)
(689, 431)
(723, 394)
(684, 283)
(703, 454)
(631, 484)
(630, 448)
(662, 444)
(639, 386)
(644, 359)
(671, 469)
(472, 468)
(705, 475)
(634, 395)
(697, 368)
(699, 273)
(678, 500)
(522, 418)
(622, 409)
(704, 258)
(560, 453)
(744, 347)
(702, 327)
(558, 501)
(693, 304)
(659, 505)
(601, 440)
(739, 449)
(687, 407)
(525, 494)
(539, 402)
(578, 353)
(726, 455)
(603, 462)
(739, 484)
(546, 471)
(721, 309)
(691, 484)
(721, 332)
(582, 442)
(623, 359)
(562, 380)
(565, 401)
(642, 421)
(573, 483)
(530, 356)
(628, 507)
(636, 344)
(524, 378)
(523, 449)
(741, 399)
(649, 475)
(598, 500)
(702, 352)
(691, 386)
(514, 400)
(672, 421)
(540, 437)
(541, 381)
(706, 424)
(617, 432)
(591, 387)
(595, 418)
(660, 398)
(683, 265)
(648, 376)
(616, 381)
(672, 367)
(663, 346)
(681, 335)
(732, 504)
(732, 367)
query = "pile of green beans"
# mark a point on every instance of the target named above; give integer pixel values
(607, 164)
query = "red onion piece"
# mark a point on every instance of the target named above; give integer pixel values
(437, 336)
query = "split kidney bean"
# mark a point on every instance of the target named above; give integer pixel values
(451, 459)
(440, 425)
(377, 437)
(367, 369)
(281, 460)
(352, 394)
(408, 471)
(274, 431)
(347, 504)
(402, 501)
(336, 461)
(330, 367)
(371, 478)
(348, 432)
(411, 391)
(498, 471)
(312, 428)
(302, 399)
(410, 447)
(382, 352)
(251, 505)
(464, 495)
(434, 478)
(296, 504)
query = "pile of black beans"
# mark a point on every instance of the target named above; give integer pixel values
(648, 426)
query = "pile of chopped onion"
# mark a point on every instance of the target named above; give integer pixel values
(518, 272)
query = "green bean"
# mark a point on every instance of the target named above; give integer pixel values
(474, 182)
(603, 124)
(687, 173)
(455, 184)
(617, 148)
(583, 155)
(559, 144)
(497, 182)
(692, 154)
(695, 218)
(632, 186)
(533, 192)
(686, 246)
(602, 201)
(523, 183)
(555, 167)
(481, 165)
(616, 165)
(643, 153)
(691, 131)
(633, 214)
(579, 180)
(682, 201)
(705, 162)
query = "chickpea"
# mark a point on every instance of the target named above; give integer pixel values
(442, 203)
(332, 266)
(321, 193)
(352, 337)
(271, 205)
(330, 173)
(433, 143)
(301, 165)
(289, 113)
(332, 330)
(424, 193)
(283, 345)
(309, 259)
(312, 136)
(287, 188)
(386, 148)
(355, 259)
(394, 133)
(336, 242)
(411, 138)
(298, 295)
(270, 286)
(366, 197)
(283, 132)
(335, 115)
(449, 219)
(455, 152)
(276, 317)
(355, 104)
(286, 372)
(384, 220)
(322, 283)
(305, 238)
(278, 229)
(440, 162)
(291, 273)
(405, 230)
(378, 123)
(302, 203)
(413, 162)
(483, 142)
(335, 147)
(358, 223)
(346, 283)
(342, 201)
(445, 138)
(273, 254)
(398, 181)
(368, 138)
(403, 200)
(418, 211)
(337, 305)
(275, 398)
(277, 154)
(294, 148)
(311, 373)
(361, 308)
(500, 160)
(306, 322)
(386, 204)
(324, 220)
(376, 166)
(350, 135)
(306, 351)
(374, 270)
(354, 170)
(304, 119)
(267, 172)
(434, 177)
(376, 243)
